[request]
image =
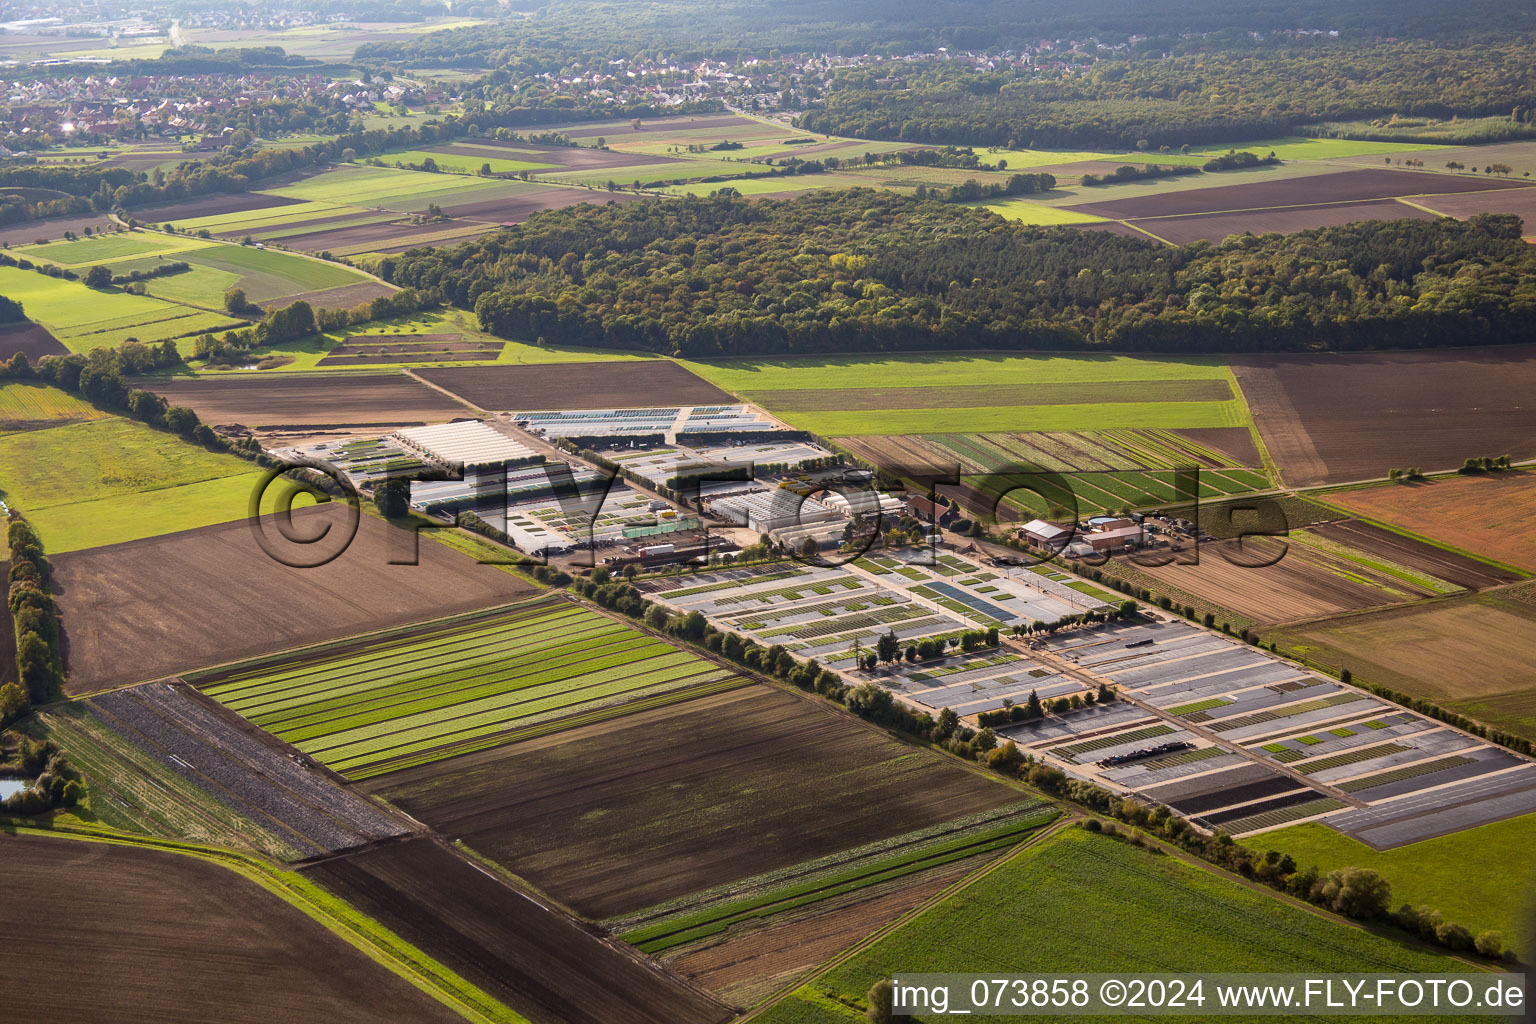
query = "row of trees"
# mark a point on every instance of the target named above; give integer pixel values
(863, 270)
(39, 661)
(972, 190)
(1139, 172)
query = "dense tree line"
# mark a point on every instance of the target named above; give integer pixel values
(862, 270)
(735, 29)
(39, 663)
(1215, 95)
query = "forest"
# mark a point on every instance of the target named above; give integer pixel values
(861, 270)
(1212, 95)
(733, 29)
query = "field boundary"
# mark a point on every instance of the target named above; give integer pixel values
(753, 1012)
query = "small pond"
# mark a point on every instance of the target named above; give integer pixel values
(9, 786)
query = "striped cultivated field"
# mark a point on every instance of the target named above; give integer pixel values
(374, 704)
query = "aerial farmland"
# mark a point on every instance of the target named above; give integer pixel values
(712, 514)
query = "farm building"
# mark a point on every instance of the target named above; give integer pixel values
(1114, 535)
(1038, 531)
(766, 511)
(931, 511)
(467, 443)
(864, 503)
(667, 421)
(659, 465)
(793, 538)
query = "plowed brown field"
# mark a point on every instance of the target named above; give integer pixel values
(1331, 418)
(169, 938)
(531, 957)
(655, 382)
(1486, 514)
(156, 607)
(616, 817)
(312, 400)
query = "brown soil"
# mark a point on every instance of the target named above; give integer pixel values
(530, 956)
(1470, 647)
(620, 816)
(1486, 514)
(293, 399)
(1234, 442)
(1520, 202)
(413, 348)
(211, 206)
(153, 608)
(121, 933)
(744, 967)
(1303, 584)
(566, 158)
(980, 395)
(610, 385)
(33, 339)
(657, 127)
(1217, 226)
(1331, 418)
(1415, 554)
(345, 297)
(51, 230)
(1306, 190)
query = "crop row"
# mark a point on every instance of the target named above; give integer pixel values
(414, 737)
(1352, 756)
(391, 653)
(1071, 751)
(315, 694)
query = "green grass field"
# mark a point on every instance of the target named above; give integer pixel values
(254, 220)
(759, 376)
(268, 273)
(1020, 159)
(374, 186)
(201, 286)
(106, 481)
(105, 248)
(86, 318)
(768, 186)
(1109, 416)
(36, 403)
(1435, 872)
(465, 164)
(953, 378)
(1297, 147)
(1078, 902)
(1035, 213)
(685, 167)
(414, 696)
